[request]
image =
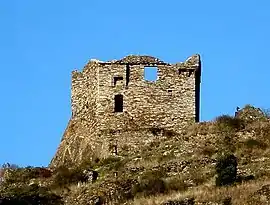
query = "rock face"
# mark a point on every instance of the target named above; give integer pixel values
(112, 104)
(250, 113)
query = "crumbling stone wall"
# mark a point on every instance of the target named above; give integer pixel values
(169, 103)
(78, 139)
(84, 93)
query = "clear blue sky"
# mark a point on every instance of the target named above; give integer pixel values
(41, 42)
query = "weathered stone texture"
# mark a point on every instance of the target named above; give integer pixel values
(170, 103)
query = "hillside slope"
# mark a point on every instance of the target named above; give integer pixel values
(170, 168)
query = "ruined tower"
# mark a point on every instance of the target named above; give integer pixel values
(113, 103)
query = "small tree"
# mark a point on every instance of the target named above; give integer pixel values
(226, 169)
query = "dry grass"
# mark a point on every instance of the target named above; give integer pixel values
(202, 128)
(189, 160)
(240, 194)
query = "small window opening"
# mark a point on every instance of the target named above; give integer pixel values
(117, 80)
(170, 92)
(115, 150)
(118, 103)
(179, 71)
(190, 73)
(127, 74)
(150, 73)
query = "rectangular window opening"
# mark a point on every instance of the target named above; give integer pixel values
(150, 73)
(118, 103)
(127, 74)
(117, 80)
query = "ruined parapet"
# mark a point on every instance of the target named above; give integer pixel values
(138, 60)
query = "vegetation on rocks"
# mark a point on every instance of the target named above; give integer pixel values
(225, 161)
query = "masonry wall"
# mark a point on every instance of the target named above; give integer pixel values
(84, 92)
(169, 102)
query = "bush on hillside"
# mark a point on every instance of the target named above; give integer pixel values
(228, 123)
(150, 183)
(16, 175)
(64, 176)
(254, 143)
(176, 184)
(226, 169)
(30, 195)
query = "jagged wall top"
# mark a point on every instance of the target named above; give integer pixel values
(139, 59)
(192, 61)
(147, 60)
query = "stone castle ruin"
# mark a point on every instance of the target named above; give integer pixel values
(111, 101)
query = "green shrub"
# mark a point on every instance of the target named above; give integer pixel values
(109, 160)
(150, 183)
(226, 169)
(208, 150)
(19, 175)
(226, 122)
(111, 163)
(86, 164)
(28, 195)
(156, 130)
(169, 133)
(226, 142)
(150, 186)
(253, 143)
(64, 176)
(176, 184)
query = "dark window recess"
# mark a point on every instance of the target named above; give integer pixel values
(187, 72)
(117, 79)
(127, 74)
(170, 92)
(113, 149)
(118, 103)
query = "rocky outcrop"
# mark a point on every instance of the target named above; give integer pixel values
(250, 113)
